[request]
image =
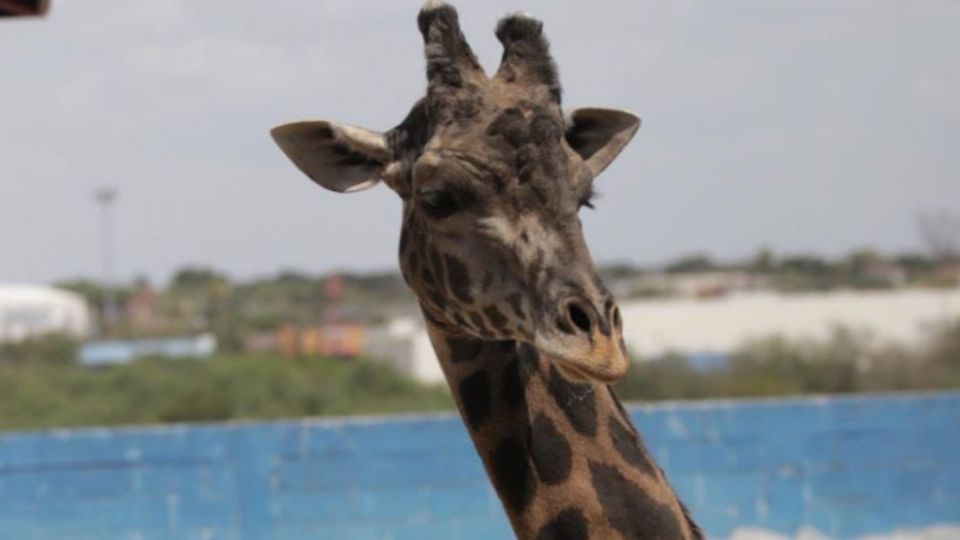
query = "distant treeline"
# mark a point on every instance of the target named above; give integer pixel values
(862, 269)
(205, 299)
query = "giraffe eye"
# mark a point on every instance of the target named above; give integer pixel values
(438, 203)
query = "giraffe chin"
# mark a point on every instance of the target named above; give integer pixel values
(599, 360)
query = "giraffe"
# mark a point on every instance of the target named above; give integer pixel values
(492, 176)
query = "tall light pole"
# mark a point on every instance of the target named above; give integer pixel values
(105, 197)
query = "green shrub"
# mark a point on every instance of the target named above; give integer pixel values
(778, 366)
(49, 349)
(40, 395)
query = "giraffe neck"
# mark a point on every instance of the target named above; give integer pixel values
(563, 457)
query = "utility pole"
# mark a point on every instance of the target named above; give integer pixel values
(105, 197)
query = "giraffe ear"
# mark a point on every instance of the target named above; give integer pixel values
(599, 135)
(336, 156)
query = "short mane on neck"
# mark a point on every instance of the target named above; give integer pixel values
(563, 456)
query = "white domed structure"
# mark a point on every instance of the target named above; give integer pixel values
(33, 310)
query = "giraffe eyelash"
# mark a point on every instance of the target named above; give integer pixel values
(588, 199)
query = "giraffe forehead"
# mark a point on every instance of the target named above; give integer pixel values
(492, 110)
(516, 133)
(524, 123)
(478, 100)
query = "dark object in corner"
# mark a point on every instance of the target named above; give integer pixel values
(16, 8)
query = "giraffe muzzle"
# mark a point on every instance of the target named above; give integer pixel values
(585, 341)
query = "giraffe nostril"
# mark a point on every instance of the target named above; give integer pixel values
(579, 317)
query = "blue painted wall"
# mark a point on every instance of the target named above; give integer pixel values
(847, 466)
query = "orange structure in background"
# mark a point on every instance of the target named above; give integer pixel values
(336, 340)
(18, 8)
(333, 338)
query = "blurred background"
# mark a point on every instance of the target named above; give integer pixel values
(785, 223)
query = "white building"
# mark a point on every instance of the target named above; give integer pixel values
(720, 325)
(403, 343)
(33, 310)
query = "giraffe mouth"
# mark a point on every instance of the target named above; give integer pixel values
(599, 359)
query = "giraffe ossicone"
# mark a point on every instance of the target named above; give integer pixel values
(492, 175)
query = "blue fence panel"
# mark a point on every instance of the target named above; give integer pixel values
(846, 466)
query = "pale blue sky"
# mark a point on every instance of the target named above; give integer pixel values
(815, 126)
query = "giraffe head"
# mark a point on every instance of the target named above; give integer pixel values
(492, 175)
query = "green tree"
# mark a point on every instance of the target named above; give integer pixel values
(692, 263)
